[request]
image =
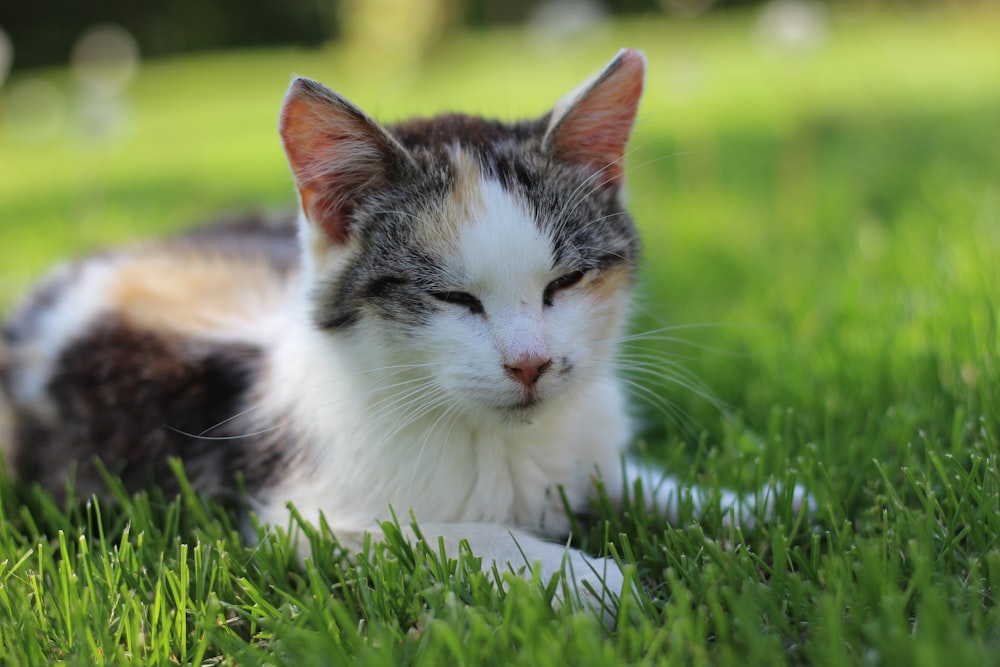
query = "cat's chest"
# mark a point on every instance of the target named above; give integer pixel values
(455, 474)
(514, 477)
(365, 450)
(510, 476)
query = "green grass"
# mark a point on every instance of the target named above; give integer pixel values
(826, 232)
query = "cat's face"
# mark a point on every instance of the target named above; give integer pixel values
(478, 265)
(504, 297)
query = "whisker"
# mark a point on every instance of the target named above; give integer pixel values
(687, 382)
(573, 200)
(651, 333)
(374, 390)
(410, 411)
(260, 404)
(669, 408)
(426, 439)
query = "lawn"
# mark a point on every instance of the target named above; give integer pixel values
(822, 238)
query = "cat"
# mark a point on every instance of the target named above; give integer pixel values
(434, 335)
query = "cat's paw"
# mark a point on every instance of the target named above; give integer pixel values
(776, 497)
(770, 503)
(593, 583)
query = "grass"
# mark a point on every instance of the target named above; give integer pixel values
(826, 229)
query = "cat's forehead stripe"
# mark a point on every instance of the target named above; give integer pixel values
(503, 246)
(462, 204)
(481, 219)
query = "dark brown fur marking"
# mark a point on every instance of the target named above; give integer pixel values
(133, 399)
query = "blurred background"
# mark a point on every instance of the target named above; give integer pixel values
(817, 183)
(46, 30)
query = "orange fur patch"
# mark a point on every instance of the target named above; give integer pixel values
(608, 290)
(610, 283)
(201, 294)
(463, 204)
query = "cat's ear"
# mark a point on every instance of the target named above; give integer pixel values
(591, 126)
(337, 155)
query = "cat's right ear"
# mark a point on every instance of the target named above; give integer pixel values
(337, 155)
(590, 128)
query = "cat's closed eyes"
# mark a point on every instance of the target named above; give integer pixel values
(436, 334)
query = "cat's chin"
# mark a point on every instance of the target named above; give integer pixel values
(519, 414)
(524, 409)
(524, 406)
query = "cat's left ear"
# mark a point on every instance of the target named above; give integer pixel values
(338, 156)
(591, 126)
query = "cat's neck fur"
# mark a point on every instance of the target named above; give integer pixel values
(351, 405)
(465, 283)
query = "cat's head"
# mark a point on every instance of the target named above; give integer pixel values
(492, 259)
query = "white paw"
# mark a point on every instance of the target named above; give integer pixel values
(744, 512)
(595, 583)
(775, 496)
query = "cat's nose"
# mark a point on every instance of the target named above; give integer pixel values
(528, 369)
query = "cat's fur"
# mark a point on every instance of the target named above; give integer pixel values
(438, 339)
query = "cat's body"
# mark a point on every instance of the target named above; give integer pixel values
(444, 343)
(134, 355)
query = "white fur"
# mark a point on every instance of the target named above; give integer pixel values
(82, 302)
(425, 424)
(258, 314)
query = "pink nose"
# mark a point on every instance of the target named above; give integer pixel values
(528, 369)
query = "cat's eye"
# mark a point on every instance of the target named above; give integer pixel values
(463, 299)
(561, 283)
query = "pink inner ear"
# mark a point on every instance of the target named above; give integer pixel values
(596, 129)
(335, 153)
(306, 148)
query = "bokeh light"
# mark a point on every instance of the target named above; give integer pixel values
(686, 7)
(394, 35)
(788, 27)
(104, 59)
(35, 109)
(558, 20)
(6, 56)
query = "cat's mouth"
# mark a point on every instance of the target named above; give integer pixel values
(525, 405)
(529, 401)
